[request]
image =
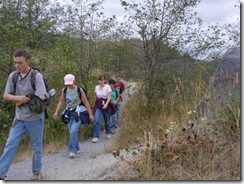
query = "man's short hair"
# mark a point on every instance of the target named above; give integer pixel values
(117, 75)
(22, 52)
(111, 81)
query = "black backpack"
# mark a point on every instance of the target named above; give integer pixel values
(79, 93)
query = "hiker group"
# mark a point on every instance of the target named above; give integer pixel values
(29, 91)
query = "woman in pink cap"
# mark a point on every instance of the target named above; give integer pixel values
(76, 105)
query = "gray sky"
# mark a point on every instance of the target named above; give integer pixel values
(218, 11)
(210, 11)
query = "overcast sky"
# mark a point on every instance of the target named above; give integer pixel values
(218, 10)
(208, 10)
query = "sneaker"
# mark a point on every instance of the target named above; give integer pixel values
(108, 136)
(78, 152)
(1, 178)
(37, 176)
(72, 155)
(95, 140)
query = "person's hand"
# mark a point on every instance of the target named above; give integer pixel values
(91, 118)
(105, 106)
(21, 100)
(55, 115)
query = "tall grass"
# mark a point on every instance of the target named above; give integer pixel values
(201, 158)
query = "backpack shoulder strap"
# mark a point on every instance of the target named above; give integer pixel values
(79, 91)
(33, 78)
(14, 80)
(65, 91)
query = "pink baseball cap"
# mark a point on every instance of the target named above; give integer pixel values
(69, 79)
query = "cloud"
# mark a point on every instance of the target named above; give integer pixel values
(210, 11)
(220, 11)
(113, 7)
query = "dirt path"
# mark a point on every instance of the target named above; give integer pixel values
(92, 163)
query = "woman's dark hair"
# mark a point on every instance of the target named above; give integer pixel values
(22, 52)
(101, 77)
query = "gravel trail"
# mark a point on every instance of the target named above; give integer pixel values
(91, 164)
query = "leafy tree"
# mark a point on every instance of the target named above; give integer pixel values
(166, 27)
(25, 24)
(86, 33)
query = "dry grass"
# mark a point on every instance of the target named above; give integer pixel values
(204, 150)
(199, 159)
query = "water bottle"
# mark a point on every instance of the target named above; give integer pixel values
(50, 93)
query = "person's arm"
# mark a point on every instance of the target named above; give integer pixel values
(95, 98)
(40, 86)
(124, 90)
(9, 93)
(87, 105)
(18, 100)
(95, 95)
(60, 104)
(109, 94)
(108, 101)
(117, 97)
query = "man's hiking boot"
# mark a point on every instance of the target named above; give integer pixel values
(37, 176)
(95, 140)
(72, 155)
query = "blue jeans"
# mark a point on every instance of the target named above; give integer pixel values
(113, 120)
(35, 131)
(118, 112)
(73, 127)
(97, 122)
